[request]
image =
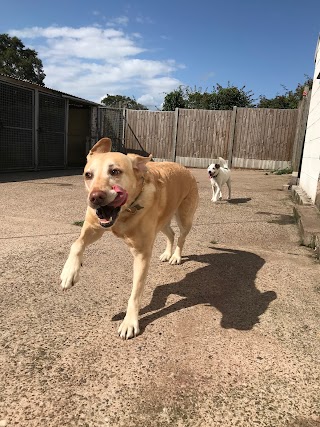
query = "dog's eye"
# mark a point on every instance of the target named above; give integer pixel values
(88, 175)
(115, 172)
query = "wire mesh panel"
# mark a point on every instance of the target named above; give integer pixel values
(16, 128)
(111, 126)
(51, 131)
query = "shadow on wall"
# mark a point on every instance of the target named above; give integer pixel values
(226, 282)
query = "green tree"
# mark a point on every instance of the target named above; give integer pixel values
(19, 62)
(220, 98)
(225, 98)
(290, 99)
(174, 99)
(120, 101)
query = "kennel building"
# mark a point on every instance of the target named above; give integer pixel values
(42, 128)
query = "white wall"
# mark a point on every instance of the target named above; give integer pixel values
(310, 168)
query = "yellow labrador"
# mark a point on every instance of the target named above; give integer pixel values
(135, 201)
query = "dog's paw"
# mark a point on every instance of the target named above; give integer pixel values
(175, 259)
(129, 328)
(70, 273)
(165, 256)
(213, 200)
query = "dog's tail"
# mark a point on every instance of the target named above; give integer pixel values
(223, 163)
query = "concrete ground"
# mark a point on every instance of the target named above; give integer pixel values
(229, 338)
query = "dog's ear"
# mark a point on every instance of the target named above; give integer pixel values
(139, 162)
(102, 146)
(217, 166)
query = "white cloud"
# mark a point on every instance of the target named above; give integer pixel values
(144, 20)
(121, 20)
(146, 99)
(92, 61)
(85, 42)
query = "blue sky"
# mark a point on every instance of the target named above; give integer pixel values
(147, 48)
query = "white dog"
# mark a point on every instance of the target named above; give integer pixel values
(219, 174)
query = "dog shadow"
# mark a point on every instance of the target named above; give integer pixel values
(226, 282)
(239, 201)
(281, 219)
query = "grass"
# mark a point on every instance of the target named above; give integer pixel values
(78, 223)
(283, 171)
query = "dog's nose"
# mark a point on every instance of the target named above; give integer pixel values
(97, 197)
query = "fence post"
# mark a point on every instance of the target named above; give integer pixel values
(301, 127)
(94, 127)
(100, 123)
(232, 135)
(66, 134)
(36, 129)
(124, 116)
(175, 134)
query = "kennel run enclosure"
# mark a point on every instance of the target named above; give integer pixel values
(41, 128)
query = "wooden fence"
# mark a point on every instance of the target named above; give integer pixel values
(151, 131)
(258, 138)
(263, 138)
(303, 112)
(202, 136)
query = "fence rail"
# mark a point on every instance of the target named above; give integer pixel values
(259, 138)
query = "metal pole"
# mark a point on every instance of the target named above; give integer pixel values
(36, 129)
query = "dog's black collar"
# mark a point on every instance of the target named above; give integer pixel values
(213, 176)
(134, 208)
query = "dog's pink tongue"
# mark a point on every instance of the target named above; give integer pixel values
(121, 197)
